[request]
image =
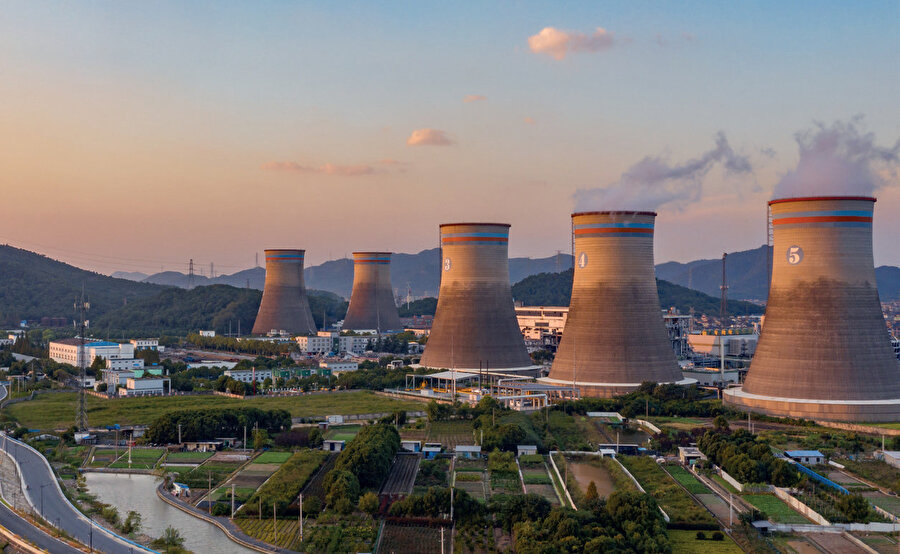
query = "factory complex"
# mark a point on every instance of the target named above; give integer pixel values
(613, 336)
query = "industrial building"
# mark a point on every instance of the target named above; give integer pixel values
(249, 375)
(372, 306)
(325, 342)
(284, 305)
(615, 337)
(70, 351)
(475, 321)
(824, 352)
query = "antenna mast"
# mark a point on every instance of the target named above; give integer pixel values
(724, 288)
(81, 422)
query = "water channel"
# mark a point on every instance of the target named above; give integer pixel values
(138, 493)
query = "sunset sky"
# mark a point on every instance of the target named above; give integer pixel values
(134, 136)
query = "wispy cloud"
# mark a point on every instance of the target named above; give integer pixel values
(558, 44)
(529, 120)
(474, 98)
(428, 137)
(355, 170)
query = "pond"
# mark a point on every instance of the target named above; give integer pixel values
(138, 493)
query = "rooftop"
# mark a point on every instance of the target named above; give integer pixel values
(804, 453)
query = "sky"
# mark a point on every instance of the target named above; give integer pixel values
(136, 136)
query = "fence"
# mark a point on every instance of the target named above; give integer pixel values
(836, 527)
(649, 425)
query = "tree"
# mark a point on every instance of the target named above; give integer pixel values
(368, 503)
(260, 439)
(98, 365)
(171, 540)
(721, 422)
(591, 493)
(132, 523)
(267, 383)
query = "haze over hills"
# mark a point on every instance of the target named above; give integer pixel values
(746, 272)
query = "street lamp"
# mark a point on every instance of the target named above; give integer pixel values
(42, 499)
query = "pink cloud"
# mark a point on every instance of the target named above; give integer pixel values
(558, 44)
(474, 98)
(529, 120)
(428, 137)
(356, 170)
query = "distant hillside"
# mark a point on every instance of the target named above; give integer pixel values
(129, 275)
(555, 289)
(747, 274)
(178, 311)
(253, 278)
(33, 286)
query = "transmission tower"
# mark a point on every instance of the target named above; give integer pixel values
(191, 274)
(81, 422)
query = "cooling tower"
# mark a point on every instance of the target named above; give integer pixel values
(615, 337)
(475, 323)
(284, 303)
(824, 352)
(372, 304)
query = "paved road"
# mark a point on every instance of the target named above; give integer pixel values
(44, 494)
(26, 530)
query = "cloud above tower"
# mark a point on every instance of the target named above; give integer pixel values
(558, 43)
(428, 137)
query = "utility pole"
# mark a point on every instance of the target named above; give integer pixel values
(723, 309)
(179, 433)
(275, 522)
(301, 516)
(232, 501)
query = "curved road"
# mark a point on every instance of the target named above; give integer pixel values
(43, 492)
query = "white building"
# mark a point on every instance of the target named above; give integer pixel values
(116, 377)
(249, 375)
(321, 343)
(69, 351)
(810, 457)
(145, 386)
(535, 322)
(147, 344)
(124, 363)
(209, 334)
(708, 376)
(735, 345)
(338, 366)
(892, 458)
(355, 344)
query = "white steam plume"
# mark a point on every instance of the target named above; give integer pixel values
(653, 181)
(840, 160)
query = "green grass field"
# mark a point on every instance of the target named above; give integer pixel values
(775, 508)
(687, 479)
(680, 507)
(685, 542)
(54, 411)
(188, 457)
(724, 484)
(342, 432)
(272, 458)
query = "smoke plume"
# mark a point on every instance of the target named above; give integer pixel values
(653, 181)
(840, 160)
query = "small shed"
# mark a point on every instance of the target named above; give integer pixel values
(689, 455)
(468, 451)
(411, 446)
(202, 446)
(181, 490)
(526, 450)
(431, 452)
(810, 457)
(333, 445)
(607, 452)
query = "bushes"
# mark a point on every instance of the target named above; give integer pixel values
(746, 458)
(364, 464)
(208, 424)
(436, 503)
(285, 484)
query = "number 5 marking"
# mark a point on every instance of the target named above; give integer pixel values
(794, 255)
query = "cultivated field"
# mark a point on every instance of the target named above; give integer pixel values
(54, 411)
(671, 497)
(316, 486)
(402, 475)
(188, 457)
(775, 508)
(450, 433)
(687, 479)
(685, 542)
(399, 538)
(272, 458)
(288, 531)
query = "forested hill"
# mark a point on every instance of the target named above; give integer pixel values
(555, 289)
(33, 286)
(221, 308)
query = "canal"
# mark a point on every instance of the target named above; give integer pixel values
(138, 493)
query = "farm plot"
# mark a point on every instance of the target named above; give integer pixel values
(316, 486)
(285, 484)
(188, 457)
(253, 475)
(141, 458)
(432, 473)
(888, 503)
(669, 495)
(473, 482)
(241, 494)
(687, 479)
(398, 537)
(210, 472)
(775, 508)
(403, 475)
(102, 457)
(342, 432)
(537, 478)
(450, 433)
(272, 458)
(264, 530)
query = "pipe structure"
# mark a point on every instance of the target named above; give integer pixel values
(475, 322)
(372, 305)
(824, 351)
(284, 305)
(615, 337)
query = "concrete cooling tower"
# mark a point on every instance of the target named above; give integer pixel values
(824, 352)
(372, 304)
(615, 337)
(475, 323)
(284, 303)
